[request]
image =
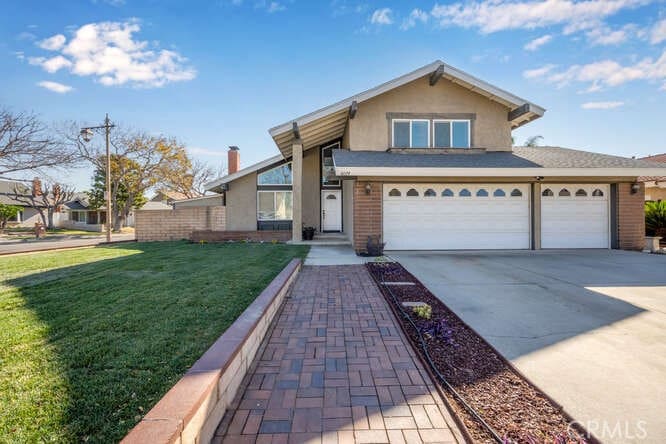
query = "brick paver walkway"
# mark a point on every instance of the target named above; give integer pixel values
(336, 369)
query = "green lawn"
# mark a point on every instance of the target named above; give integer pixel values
(90, 339)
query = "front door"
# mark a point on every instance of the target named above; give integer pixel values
(331, 210)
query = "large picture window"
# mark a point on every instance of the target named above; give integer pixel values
(280, 175)
(274, 205)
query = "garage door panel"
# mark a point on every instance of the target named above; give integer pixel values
(454, 220)
(577, 220)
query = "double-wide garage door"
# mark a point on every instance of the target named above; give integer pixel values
(493, 216)
(456, 216)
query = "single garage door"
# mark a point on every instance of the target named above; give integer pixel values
(575, 216)
(456, 216)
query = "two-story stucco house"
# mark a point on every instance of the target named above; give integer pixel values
(426, 162)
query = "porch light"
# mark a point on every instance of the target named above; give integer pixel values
(368, 188)
(635, 188)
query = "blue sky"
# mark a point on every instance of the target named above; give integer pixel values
(219, 73)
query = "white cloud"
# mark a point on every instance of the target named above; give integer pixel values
(275, 7)
(538, 42)
(53, 43)
(417, 15)
(601, 105)
(603, 35)
(658, 32)
(606, 73)
(538, 72)
(55, 63)
(382, 16)
(498, 15)
(109, 52)
(55, 87)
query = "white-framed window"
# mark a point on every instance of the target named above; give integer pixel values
(327, 167)
(274, 205)
(411, 133)
(280, 175)
(451, 133)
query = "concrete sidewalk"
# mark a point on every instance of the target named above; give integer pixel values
(337, 369)
(12, 247)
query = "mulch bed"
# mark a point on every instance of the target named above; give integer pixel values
(517, 410)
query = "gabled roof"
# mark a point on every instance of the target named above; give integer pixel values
(7, 188)
(521, 162)
(215, 184)
(329, 122)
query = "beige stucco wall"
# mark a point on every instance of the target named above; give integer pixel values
(369, 130)
(655, 193)
(311, 193)
(242, 204)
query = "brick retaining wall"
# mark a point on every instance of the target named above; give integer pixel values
(161, 225)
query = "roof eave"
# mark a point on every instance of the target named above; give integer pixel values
(243, 172)
(343, 171)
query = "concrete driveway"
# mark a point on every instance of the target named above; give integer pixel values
(588, 327)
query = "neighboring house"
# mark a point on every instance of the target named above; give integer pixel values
(156, 205)
(425, 162)
(28, 215)
(655, 186)
(167, 197)
(80, 216)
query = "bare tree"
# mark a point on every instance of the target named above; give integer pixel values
(139, 162)
(27, 144)
(47, 198)
(191, 183)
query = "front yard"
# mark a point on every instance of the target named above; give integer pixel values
(90, 339)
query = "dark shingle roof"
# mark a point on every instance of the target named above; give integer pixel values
(521, 157)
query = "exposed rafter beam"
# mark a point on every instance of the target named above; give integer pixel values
(520, 111)
(296, 131)
(353, 109)
(436, 75)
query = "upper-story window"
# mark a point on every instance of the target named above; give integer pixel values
(451, 134)
(327, 168)
(280, 175)
(413, 133)
(424, 133)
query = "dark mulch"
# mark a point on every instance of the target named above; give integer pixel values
(513, 407)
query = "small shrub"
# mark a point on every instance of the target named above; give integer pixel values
(655, 218)
(423, 311)
(438, 329)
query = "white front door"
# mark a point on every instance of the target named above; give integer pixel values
(575, 216)
(441, 216)
(331, 210)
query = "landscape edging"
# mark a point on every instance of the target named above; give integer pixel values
(192, 409)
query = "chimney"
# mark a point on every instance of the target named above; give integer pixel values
(234, 160)
(36, 187)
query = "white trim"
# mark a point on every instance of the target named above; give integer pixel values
(495, 172)
(449, 72)
(244, 172)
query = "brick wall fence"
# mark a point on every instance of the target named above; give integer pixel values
(630, 217)
(160, 225)
(367, 213)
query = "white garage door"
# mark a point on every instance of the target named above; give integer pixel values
(574, 216)
(456, 217)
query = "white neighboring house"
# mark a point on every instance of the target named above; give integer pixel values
(80, 216)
